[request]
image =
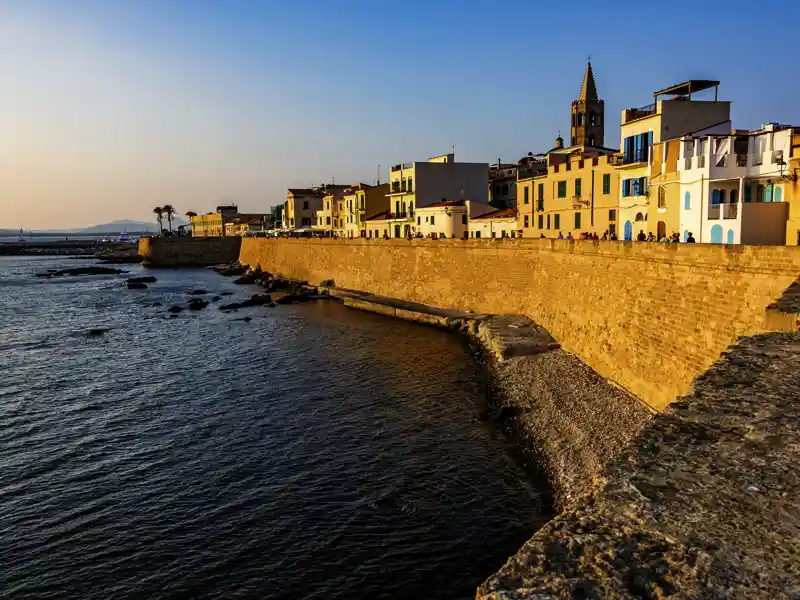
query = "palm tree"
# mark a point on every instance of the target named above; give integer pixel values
(191, 213)
(159, 212)
(169, 211)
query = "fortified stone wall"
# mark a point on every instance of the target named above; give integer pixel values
(650, 317)
(189, 251)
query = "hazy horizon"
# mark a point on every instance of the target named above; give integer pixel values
(111, 108)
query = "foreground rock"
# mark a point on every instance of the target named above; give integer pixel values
(175, 309)
(98, 331)
(197, 304)
(230, 270)
(146, 279)
(702, 504)
(81, 271)
(137, 285)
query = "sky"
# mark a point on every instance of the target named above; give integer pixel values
(109, 108)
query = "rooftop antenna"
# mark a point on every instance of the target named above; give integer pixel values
(378, 178)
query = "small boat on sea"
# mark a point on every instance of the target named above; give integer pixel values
(124, 238)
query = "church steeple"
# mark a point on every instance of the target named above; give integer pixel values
(588, 114)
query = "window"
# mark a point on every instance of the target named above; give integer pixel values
(592, 140)
(577, 220)
(592, 119)
(541, 221)
(526, 220)
(305, 205)
(525, 195)
(463, 219)
(477, 234)
(578, 186)
(562, 189)
(327, 220)
(714, 197)
(410, 186)
(541, 191)
(662, 198)
(768, 193)
(548, 221)
(397, 206)
(556, 221)
(328, 205)
(606, 183)
(748, 193)
(636, 148)
(580, 119)
(419, 220)
(612, 214)
(433, 221)
(777, 197)
(687, 201)
(760, 193)
(734, 196)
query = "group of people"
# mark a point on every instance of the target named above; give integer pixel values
(672, 239)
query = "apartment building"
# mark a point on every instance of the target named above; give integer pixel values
(675, 111)
(418, 184)
(213, 224)
(359, 202)
(735, 185)
(503, 185)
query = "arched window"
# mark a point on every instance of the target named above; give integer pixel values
(734, 196)
(661, 229)
(628, 231)
(580, 119)
(592, 118)
(687, 203)
(777, 195)
(760, 193)
(714, 197)
(722, 196)
(639, 217)
(410, 185)
(662, 197)
(591, 140)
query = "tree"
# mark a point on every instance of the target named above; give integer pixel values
(159, 212)
(191, 213)
(170, 212)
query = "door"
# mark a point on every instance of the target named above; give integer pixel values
(662, 230)
(716, 234)
(397, 231)
(628, 230)
(730, 236)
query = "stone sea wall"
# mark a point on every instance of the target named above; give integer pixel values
(189, 251)
(649, 317)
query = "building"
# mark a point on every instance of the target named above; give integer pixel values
(326, 220)
(674, 113)
(664, 189)
(733, 185)
(418, 184)
(503, 185)
(276, 215)
(448, 219)
(792, 186)
(500, 223)
(213, 224)
(248, 224)
(571, 189)
(301, 206)
(378, 226)
(576, 194)
(360, 201)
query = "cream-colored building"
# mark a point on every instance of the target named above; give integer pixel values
(378, 226)
(448, 219)
(418, 184)
(793, 193)
(359, 202)
(495, 224)
(327, 218)
(301, 206)
(674, 113)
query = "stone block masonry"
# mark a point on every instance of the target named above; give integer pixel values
(650, 317)
(188, 251)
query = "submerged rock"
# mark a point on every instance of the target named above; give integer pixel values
(98, 331)
(254, 300)
(82, 271)
(215, 298)
(197, 304)
(175, 309)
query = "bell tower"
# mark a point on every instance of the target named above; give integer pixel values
(588, 118)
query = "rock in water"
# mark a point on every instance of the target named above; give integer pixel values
(137, 285)
(175, 309)
(98, 331)
(148, 279)
(215, 299)
(82, 271)
(197, 292)
(197, 304)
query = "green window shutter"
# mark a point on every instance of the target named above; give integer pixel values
(557, 221)
(548, 221)
(541, 191)
(748, 193)
(578, 186)
(541, 221)
(526, 194)
(606, 183)
(577, 220)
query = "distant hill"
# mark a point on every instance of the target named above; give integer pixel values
(117, 227)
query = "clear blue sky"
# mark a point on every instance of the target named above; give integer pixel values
(110, 107)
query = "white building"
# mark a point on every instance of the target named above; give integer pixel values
(496, 224)
(732, 186)
(448, 219)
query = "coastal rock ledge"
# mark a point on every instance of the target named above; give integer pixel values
(703, 503)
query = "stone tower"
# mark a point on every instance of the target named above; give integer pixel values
(587, 114)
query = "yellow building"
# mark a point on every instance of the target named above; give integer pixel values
(359, 202)
(665, 187)
(213, 224)
(792, 189)
(578, 194)
(246, 224)
(674, 113)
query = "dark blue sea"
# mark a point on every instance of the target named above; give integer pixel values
(312, 452)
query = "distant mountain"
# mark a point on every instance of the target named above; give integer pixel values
(116, 227)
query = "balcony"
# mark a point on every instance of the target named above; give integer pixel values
(399, 216)
(631, 114)
(756, 159)
(741, 160)
(637, 156)
(730, 211)
(713, 212)
(407, 165)
(401, 189)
